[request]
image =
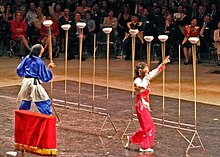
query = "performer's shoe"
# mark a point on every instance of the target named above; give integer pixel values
(57, 124)
(128, 142)
(149, 150)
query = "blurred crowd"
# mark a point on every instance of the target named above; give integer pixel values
(21, 25)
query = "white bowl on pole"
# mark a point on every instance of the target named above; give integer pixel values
(81, 25)
(133, 32)
(107, 30)
(148, 38)
(47, 23)
(163, 38)
(66, 27)
(194, 40)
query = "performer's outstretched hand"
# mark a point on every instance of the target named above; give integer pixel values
(51, 65)
(166, 60)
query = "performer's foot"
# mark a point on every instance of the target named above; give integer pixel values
(149, 150)
(128, 142)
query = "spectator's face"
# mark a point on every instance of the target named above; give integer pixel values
(8, 7)
(125, 9)
(66, 12)
(84, 3)
(134, 18)
(95, 7)
(194, 22)
(140, 10)
(207, 19)
(18, 16)
(164, 11)
(169, 18)
(18, 2)
(201, 10)
(180, 9)
(32, 6)
(104, 4)
(77, 17)
(214, 7)
(58, 7)
(194, 6)
(38, 11)
(88, 16)
(110, 14)
(219, 25)
(145, 13)
(138, 1)
(41, 4)
(23, 11)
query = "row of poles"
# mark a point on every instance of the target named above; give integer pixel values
(148, 39)
(99, 110)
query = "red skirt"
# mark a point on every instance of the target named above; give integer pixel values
(145, 135)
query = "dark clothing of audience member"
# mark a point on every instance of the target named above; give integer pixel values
(134, 24)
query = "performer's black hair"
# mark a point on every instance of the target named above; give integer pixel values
(35, 50)
(139, 70)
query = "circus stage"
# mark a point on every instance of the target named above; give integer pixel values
(78, 130)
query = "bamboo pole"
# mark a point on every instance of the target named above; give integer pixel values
(93, 80)
(80, 63)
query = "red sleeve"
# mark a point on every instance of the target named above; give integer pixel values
(13, 27)
(185, 32)
(43, 30)
(23, 26)
(162, 67)
(55, 29)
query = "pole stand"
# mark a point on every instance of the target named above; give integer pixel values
(190, 141)
(125, 133)
(107, 117)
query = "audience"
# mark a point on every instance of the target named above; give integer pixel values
(153, 19)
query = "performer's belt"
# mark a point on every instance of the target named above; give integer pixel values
(36, 79)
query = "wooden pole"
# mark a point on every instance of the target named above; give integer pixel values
(93, 83)
(80, 63)
(148, 54)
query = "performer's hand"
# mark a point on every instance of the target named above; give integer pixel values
(51, 65)
(166, 60)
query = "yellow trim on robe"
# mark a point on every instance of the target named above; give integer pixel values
(36, 150)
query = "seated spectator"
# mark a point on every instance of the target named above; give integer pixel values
(205, 36)
(134, 24)
(38, 21)
(44, 36)
(181, 18)
(189, 31)
(8, 14)
(90, 23)
(30, 17)
(96, 16)
(74, 35)
(217, 42)
(18, 32)
(123, 18)
(111, 21)
(65, 19)
(57, 12)
(23, 11)
(82, 7)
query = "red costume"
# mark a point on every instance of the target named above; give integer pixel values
(18, 25)
(145, 134)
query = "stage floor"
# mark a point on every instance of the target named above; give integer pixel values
(77, 133)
